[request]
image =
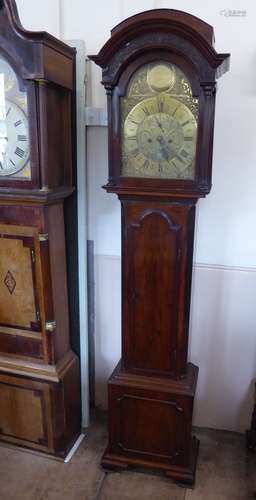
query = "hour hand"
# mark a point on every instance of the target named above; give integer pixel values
(165, 153)
(159, 123)
(163, 148)
(172, 131)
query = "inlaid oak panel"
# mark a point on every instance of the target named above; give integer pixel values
(17, 282)
(22, 413)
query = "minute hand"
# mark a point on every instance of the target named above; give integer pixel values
(159, 123)
(171, 132)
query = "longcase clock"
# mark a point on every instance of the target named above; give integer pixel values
(159, 71)
(39, 373)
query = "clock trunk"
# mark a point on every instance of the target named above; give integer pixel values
(157, 250)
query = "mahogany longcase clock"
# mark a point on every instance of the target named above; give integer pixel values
(39, 373)
(159, 71)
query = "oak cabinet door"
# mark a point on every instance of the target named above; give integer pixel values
(20, 285)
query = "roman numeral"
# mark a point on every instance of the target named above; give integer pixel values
(181, 159)
(146, 164)
(12, 162)
(16, 124)
(160, 106)
(185, 123)
(1, 165)
(22, 138)
(135, 152)
(19, 152)
(133, 121)
(133, 138)
(8, 111)
(175, 110)
(184, 153)
(146, 111)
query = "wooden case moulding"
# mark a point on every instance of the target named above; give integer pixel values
(151, 392)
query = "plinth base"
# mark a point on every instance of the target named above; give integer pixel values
(46, 399)
(150, 424)
(180, 474)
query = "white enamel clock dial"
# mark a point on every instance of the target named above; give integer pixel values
(14, 140)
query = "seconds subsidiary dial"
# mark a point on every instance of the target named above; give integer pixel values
(14, 142)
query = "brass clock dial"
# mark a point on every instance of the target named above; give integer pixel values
(159, 131)
(160, 136)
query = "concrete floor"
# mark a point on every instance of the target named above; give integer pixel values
(224, 472)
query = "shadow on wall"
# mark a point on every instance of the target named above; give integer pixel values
(107, 322)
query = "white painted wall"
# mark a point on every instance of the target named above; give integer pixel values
(232, 196)
(41, 16)
(223, 312)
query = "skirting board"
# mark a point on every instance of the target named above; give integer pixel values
(74, 448)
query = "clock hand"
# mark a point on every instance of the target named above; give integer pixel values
(165, 153)
(172, 131)
(164, 148)
(159, 124)
(160, 139)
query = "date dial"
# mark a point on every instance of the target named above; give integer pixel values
(159, 139)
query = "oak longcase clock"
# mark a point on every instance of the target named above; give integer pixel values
(39, 373)
(159, 71)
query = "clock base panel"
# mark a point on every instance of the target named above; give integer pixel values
(150, 424)
(40, 412)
